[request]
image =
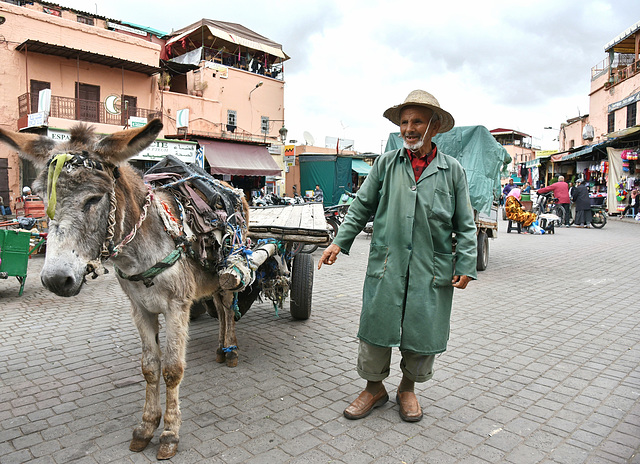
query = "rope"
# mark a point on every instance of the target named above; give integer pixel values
(234, 306)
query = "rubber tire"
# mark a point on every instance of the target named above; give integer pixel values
(483, 251)
(301, 286)
(559, 211)
(601, 224)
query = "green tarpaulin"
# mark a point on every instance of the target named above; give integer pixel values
(332, 173)
(479, 153)
(360, 166)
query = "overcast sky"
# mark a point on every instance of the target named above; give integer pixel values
(522, 65)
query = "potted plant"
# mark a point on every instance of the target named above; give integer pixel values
(164, 81)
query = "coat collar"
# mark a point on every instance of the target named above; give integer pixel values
(439, 162)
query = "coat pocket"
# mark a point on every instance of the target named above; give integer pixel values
(377, 265)
(442, 206)
(442, 269)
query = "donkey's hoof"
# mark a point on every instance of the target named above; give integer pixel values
(220, 356)
(168, 445)
(167, 451)
(138, 444)
(232, 359)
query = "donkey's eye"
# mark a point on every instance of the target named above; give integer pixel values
(91, 202)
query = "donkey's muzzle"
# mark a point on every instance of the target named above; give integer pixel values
(62, 283)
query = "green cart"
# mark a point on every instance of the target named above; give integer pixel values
(15, 249)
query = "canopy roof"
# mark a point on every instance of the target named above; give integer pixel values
(239, 159)
(35, 46)
(360, 167)
(218, 34)
(625, 42)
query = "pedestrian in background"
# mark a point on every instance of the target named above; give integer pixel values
(580, 196)
(420, 198)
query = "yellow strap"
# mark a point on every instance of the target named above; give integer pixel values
(52, 179)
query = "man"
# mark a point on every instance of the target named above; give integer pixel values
(580, 196)
(318, 194)
(420, 198)
(560, 190)
(507, 188)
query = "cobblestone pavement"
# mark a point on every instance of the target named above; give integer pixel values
(542, 367)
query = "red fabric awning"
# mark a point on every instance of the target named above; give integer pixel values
(239, 159)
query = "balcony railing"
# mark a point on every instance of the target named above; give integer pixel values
(83, 110)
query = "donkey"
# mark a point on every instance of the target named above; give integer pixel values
(94, 199)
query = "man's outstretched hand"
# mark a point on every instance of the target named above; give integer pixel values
(329, 256)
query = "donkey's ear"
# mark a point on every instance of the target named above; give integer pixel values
(35, 148)
(121, 146)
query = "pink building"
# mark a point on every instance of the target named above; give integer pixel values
(615, 84)
(218, 88)
(518, 145)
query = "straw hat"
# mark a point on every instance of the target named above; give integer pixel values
(426, 100)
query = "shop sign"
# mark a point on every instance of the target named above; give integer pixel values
(122, 27)
(185, 151)
(289, 161)
(220, 69)
(627, 101)
(37, 119)
(135, 121)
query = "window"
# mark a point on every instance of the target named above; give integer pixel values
(85, 20)
(232, 120)
(611, 119)
(88, 102)
(264, 125)
(631, 114)
(34, 91)
(129, 107)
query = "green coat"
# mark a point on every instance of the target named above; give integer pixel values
(407, 291)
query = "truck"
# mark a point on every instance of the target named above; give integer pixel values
(482, 158)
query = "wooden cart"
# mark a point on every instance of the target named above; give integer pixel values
(287, 273)
(292, 225)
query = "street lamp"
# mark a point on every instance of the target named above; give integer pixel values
(259, 84)
(283, 133)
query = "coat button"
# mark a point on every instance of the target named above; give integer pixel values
(413, 187)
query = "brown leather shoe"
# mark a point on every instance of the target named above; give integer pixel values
(365, 403)
(410, 410)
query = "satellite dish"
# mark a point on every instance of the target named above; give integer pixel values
(308, 138)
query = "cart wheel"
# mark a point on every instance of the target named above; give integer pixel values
(301, 286)
(483, 251)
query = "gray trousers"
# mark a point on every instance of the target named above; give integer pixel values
(374, 363)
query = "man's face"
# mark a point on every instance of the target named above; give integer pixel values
(414, 122)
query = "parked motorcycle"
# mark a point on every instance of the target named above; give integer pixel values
(598, 216)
